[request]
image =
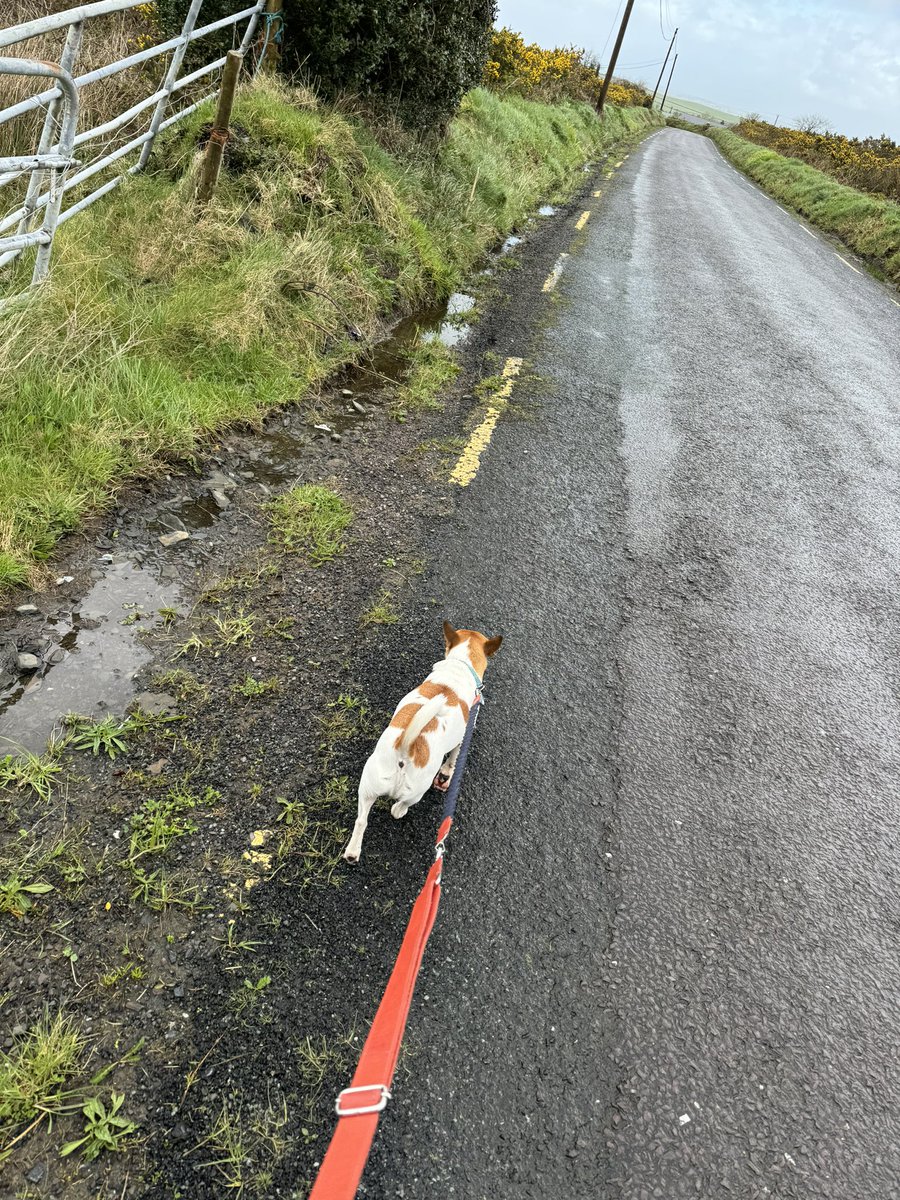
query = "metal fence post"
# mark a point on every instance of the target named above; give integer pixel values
(250, 31)
(65, 147)
(171, 78)
(51, 125)
(215, 147)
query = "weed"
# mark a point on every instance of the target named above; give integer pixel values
(17, 894)
(169, 616)
(107, 734)
(231, 944)
(235, 627)
(316, 1058)
(346, 717)
(310, 519)
(33, 1071)
(115, 975)
(194, 644)
(311, 840)
(241, 1143)
(104, 1128)
(183, 684)
(252, 689)
(160, 891)
(381, 611)
(160, 820)
(37, 772)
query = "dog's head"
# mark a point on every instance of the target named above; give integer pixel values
(478, 646)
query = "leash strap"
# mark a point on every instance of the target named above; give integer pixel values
(360, 1105)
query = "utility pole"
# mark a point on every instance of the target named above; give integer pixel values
(662, 106)
(665, 60)
(615, 54)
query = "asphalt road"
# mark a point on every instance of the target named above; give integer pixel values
(668, 959)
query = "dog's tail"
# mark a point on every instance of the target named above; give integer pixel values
(423, 717)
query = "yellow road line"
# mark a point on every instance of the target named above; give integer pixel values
(553, 278)
(582, 220)
(848, 264)
(469, 461)
(597, 193)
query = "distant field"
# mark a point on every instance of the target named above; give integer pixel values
(697, 108)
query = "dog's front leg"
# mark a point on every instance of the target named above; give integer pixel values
(367, 798)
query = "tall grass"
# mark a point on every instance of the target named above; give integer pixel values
(868, 224)
(161, 323)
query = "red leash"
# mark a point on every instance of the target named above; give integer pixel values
(360, 1105)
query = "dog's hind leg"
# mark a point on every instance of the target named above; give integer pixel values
(367, 797)
(445, 774)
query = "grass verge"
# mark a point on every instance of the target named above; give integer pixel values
(869, 225)
(161, 324)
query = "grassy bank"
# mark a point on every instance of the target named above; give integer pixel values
(160, 324)
(870, 225)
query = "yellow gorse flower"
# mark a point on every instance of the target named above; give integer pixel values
(869, 164)
(560, 73)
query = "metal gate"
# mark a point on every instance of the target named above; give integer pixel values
(52, 168)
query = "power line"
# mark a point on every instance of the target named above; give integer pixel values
(611, 28)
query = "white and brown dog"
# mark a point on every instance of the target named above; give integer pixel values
(427, 727)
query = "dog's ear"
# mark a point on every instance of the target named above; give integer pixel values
(450, 636)
(492, 645)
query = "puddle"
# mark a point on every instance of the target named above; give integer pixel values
(90, 659)
(510, 244)
(546, 210)
(388, 363)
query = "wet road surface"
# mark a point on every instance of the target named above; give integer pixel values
(668, 957)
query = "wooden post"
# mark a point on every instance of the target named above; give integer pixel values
(215, 147)
(272, 54)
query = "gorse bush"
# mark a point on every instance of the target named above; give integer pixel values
(418, 57)
(561, 73)
(871, 164)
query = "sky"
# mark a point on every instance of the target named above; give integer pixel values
(780, 58)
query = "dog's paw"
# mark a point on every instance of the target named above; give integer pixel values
(399, 809)
(351, 855)
(441, 781)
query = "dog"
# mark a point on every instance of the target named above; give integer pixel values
(420, 746)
